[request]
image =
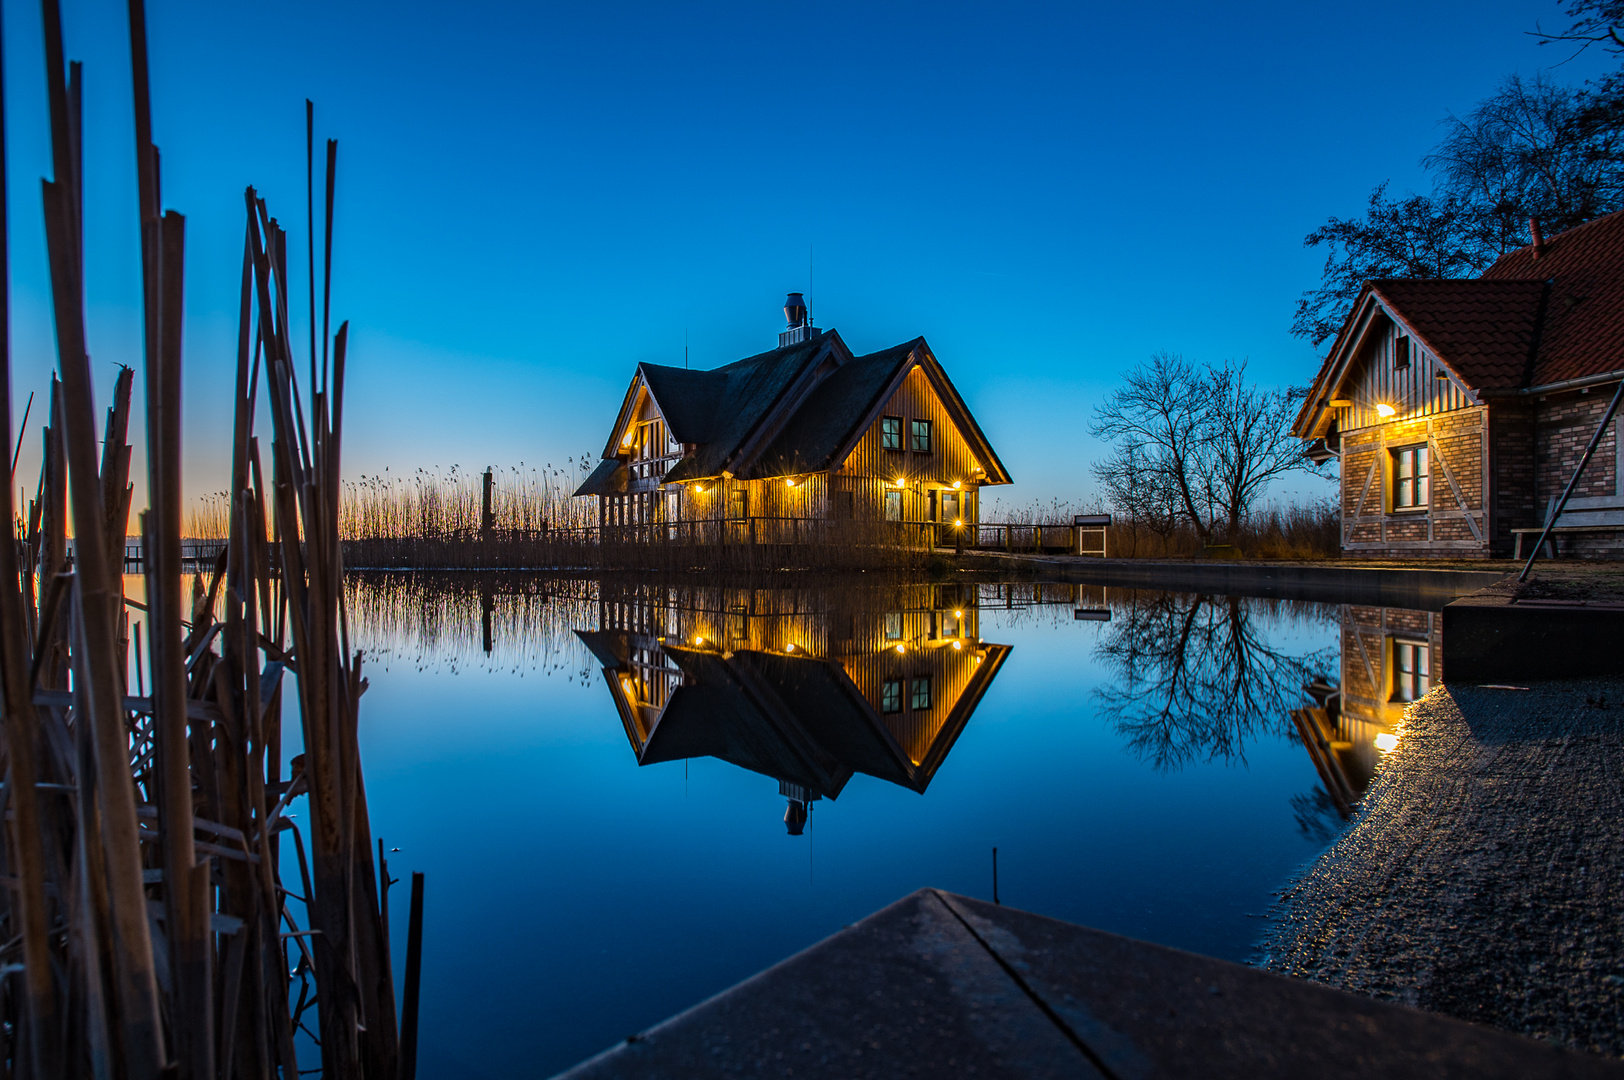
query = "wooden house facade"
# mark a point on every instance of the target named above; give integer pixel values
(1459, 408)
(775, 447)
(807, 688)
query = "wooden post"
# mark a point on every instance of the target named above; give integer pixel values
(487, 518)
(414, 980)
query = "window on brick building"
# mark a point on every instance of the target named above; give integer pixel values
(1410, 489)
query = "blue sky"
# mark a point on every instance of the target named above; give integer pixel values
(534, 198)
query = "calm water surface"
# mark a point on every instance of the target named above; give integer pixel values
(596, 779)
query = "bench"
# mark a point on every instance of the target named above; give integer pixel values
(1594, 514)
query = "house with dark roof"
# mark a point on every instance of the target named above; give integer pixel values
(808, 691)
(807, 433)
(1459, 409)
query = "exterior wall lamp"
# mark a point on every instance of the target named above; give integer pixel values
(1385, 411)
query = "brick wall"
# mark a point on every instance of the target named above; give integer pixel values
(1455, 465)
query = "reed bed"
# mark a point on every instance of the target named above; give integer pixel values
(1296, 531)
(148, 924)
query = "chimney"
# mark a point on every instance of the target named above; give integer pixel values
(1539, 237)
(800, 323)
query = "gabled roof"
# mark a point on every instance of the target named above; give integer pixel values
(1485, 331)
(797, 409)
(1532, 319)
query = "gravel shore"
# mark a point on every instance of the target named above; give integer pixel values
(1483, 876)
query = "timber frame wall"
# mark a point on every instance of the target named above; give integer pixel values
(1455, 521)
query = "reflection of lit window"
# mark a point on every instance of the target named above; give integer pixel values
(1412, 670)
(919, 699)
(891, 696)
(893, 506)
(893, 626)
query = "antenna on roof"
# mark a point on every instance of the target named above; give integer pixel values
(809, 284)
(685, 348)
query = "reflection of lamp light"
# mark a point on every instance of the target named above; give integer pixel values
(698, 640)
(789, 481)
(958, 614)
(957, 484)
(901, 648)
(957, 645)
(1386, 741)
(1385, 410)
(959, 524)
(789, 648)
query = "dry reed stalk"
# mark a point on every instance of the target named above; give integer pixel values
(201, 990)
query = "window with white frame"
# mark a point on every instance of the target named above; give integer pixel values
(1410, 490)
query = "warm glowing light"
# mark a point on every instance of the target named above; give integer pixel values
(700, 488)
(902, 648)
(957, 645)
(897, 482)
(959, 523)
(789, 648)
(1385, 410)
(957, 484)
(698, 640)
(1386, 741)
(627, 441)
(789, 481)
(958, 614)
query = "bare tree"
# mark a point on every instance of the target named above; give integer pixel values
(1249, 442)
(1531, 150)
(1196, 446)
(1138, 485)
(1161, 408)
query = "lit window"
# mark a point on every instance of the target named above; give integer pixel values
(893, 506)
(950, 506)
(893, 626)
(1410, 478)
(1412, 670)
(738, 503)
(891, 432)
(891, 696)
(919, 436)
(919, 698)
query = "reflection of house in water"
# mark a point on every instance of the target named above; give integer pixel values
(1390, 657)
(794, 685)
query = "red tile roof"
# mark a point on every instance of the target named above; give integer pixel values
(1485, 330)
(1582, 332)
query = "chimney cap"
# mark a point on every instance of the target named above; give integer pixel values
(1538, 236)
(794, 310)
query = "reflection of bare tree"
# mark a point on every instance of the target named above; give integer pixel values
(1198, 676)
